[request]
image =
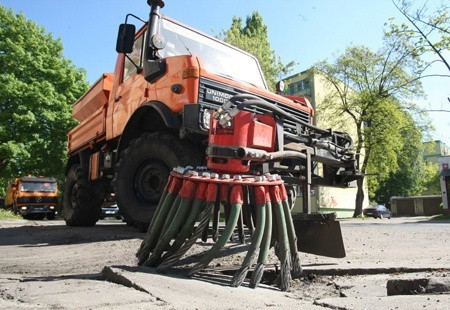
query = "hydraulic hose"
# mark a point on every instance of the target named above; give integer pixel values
(211, 194)
(245, 153)
(187, 193)
(246, 100)
(188, 227)
(161, 200)
(265, 245)
(240, 227)
(295, 259)
(236, 204)
(172, 212)
(240, 275)
(215, 224)
(282, 240)
(198, 231)
(155, 228)
(223, 199)
(246, 211)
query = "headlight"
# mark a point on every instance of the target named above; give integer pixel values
(52, 207)
(206, 118)
(23, 208)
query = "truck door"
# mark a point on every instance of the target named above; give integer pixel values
(131, 90)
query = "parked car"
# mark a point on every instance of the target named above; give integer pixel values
(110, 211)
(379, 211)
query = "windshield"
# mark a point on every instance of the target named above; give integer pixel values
(217, 57)
(47, 187)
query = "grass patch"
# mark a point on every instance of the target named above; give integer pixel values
(441, 217)
(5, 214)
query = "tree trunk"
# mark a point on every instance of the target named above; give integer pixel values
(359, 197)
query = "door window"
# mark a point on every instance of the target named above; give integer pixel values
(135, 56)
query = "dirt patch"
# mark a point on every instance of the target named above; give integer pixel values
(52, 248)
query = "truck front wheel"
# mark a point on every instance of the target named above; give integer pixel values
(142, 172)
(81, 201)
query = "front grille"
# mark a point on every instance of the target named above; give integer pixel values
(213, 94)
(37, 199)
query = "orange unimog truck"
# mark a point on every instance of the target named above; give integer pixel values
(153, 114)
(33, 197)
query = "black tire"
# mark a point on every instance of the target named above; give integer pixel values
(81, 200)
(142, 172)
(51, 216)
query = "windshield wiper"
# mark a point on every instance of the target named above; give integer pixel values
(185, 46)
(235, 79)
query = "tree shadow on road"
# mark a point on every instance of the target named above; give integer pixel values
(30, 236)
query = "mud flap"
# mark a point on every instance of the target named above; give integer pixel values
(319, 234)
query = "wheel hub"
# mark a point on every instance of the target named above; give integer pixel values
(150, 180)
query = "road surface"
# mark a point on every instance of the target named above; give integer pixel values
(45, 264)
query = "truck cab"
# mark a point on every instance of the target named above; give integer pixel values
(153, 114)
(33, 197)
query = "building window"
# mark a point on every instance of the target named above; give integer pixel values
(291, 89)
(306, 84)
(298, 88)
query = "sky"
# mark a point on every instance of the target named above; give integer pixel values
(303, 31)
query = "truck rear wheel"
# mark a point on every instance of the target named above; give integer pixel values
(81, 201)
(142, 173)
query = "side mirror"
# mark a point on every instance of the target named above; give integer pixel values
(279, 87)
(125, 38)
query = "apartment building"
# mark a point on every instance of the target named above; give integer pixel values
(433, 150)
(312, 85)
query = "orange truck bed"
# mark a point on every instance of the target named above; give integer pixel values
(90, 110)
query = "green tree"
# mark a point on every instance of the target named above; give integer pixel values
(253, 38)
(373, 89)
(407, 176)
(431, 184)
(38, 86)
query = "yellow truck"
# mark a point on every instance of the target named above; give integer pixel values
(33, 197)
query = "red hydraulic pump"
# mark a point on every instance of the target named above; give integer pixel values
(229, 140)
